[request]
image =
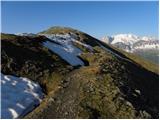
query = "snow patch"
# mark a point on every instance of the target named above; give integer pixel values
(85, 45)
(18, 96)
(66, 49)
(66, 54)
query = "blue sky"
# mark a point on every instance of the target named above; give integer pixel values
(95, 18)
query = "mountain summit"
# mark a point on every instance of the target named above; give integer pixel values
(75, 76)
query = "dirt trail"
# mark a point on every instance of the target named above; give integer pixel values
(64, 103)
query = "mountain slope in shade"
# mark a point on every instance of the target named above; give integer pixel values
(82, 77)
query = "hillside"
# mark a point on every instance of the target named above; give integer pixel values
(80, 76)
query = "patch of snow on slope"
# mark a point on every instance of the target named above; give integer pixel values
(85, 45)
(19, 96)
(66, 49)
(64, 53)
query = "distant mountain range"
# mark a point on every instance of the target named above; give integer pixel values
(135, 44)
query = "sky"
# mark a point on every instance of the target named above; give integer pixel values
(95, 18)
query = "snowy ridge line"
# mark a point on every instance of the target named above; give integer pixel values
(85, 45)
(130, 38)
(19, 96)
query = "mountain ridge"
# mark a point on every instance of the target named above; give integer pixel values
(109, 84)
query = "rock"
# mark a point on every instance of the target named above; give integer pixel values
(129, 104)
(138, 91)
(144, 114)
(51, 99)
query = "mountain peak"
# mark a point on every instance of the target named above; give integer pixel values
(58, 30)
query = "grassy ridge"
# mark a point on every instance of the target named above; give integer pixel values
(85, 38)
(107, 87)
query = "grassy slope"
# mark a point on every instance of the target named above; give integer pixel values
(136, 59)
(108, 88)
(25, 56)
(93, 42)
(150, 55)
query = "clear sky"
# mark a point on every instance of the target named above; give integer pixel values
(95, 18)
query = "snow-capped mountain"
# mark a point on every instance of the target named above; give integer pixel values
(128, 39)
(130, 42)
(107, 39)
